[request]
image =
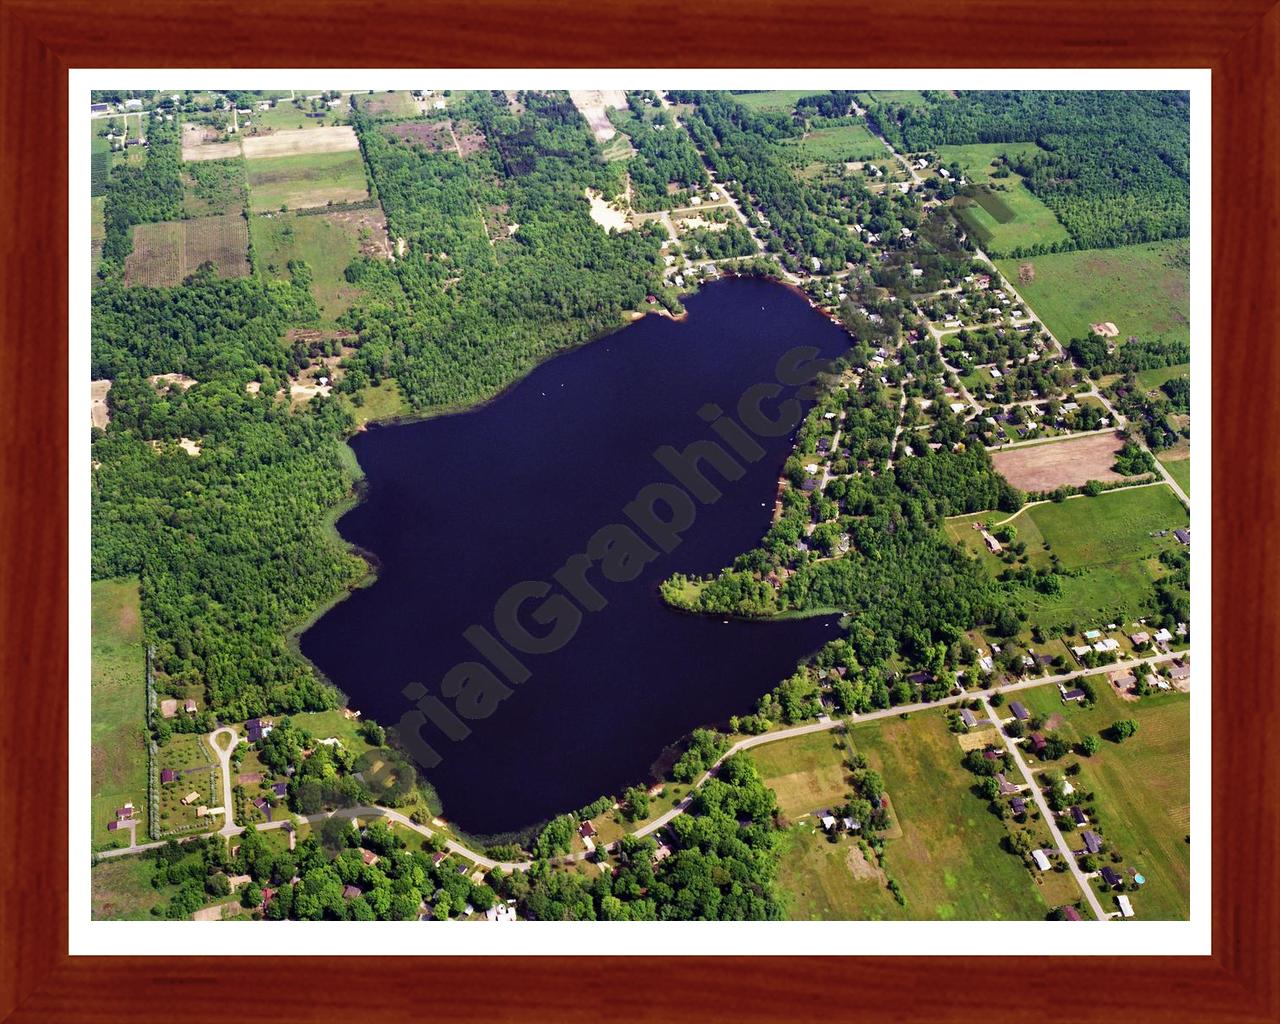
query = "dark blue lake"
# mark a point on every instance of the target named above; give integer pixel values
(461, 508)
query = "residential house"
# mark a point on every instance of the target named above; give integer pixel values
(1006, 787)
(350, 892)
(1042, 859)
(1126, 908)
(1019, 711)
(1038, 742)
(1078, 815)
(1018, 805)
(1183, 536)
(966, 716)
(1092, 841)
(189, 706)
(1180, 670)
(1163, 636)
(1111, 876)
(1075, 693)
(191, 797)
(168, 775)
(587, 830)
(370, 858)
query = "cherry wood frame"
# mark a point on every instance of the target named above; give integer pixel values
(1238, 39)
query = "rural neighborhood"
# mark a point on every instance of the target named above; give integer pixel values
(977, 523)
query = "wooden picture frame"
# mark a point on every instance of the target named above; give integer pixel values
(1239, 41)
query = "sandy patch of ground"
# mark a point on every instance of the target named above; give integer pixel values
(592, 104)
(1070, 463)
(338, 138)
(1053, 722)
(861, 868)
(300, 391)
(165, 381)
(98, 411)
(605, 215)
(189, 446)
(200, 142)
(253, 387)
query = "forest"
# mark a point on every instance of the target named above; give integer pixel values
(228, 543)
(462, 315)
(142, 193)
(1113, 166)
(665, 165)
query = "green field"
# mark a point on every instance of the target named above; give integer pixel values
(313, 179)
(213, 187)
(947, 858)
(99, 163)
(1008, 216)
(903, 97)
(1161, 374)
(826, 881)
(846, 143)
(385, 402)
(774, 100)
(807, 773)
(1141, 789)
(121, 889)
(117, 709)
(1142, 289)
(284, 116)
(976, 159)
(391, 104)
(1106, 538)
(327, 244)
(1179, 468)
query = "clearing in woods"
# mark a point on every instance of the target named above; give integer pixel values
(339, 138)
(304, 181)
(328, 242)
(395, 104)
(1145, 290)
(593, 104)
(99, 414)
(1071, 463)
(117, 710)
(164, 254)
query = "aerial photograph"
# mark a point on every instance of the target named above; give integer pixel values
(639, 505)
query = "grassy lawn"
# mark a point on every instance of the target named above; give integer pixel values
(846, 143)
(121, 890)
(385, 402)
(1179, 467)
(976, 160)
(284, 116)
(1142, 289)
(1154, 378)
(118, 709)
(1141, 789)
(307, 180)
(807, 772)
(188, 754)
(326, 244)
(826, 881)
(323, 724)
(1107, 539)
(949, 860)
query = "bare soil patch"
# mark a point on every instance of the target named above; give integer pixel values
(862, 869)
(165, 381)
(1070, 463)
(98, 411)
(338, 138)
(369, 227)
(605, 215)
(200, 142)
(593, 103)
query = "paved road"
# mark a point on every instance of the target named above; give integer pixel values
(229, 827)
(1120, 421)
(1047, 814)
(665, 819)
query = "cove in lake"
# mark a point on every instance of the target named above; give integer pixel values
(460, 508)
